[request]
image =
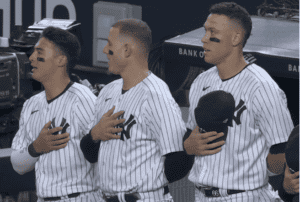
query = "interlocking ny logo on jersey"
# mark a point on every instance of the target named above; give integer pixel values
(129, 123)
(62, 124)
(240, 108)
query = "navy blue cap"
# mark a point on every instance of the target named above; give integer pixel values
(292, 150)
(215, 112)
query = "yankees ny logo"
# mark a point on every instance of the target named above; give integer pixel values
(62, 124)
(240, 109)
(129, 123)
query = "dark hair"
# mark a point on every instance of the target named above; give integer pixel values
(234, 12)
(66, 42)
(137, 29)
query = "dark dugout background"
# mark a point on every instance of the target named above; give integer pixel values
(166, 18)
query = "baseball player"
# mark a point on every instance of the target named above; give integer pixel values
(239, 170)
(289, 183)
(53, 122)
(149, 128)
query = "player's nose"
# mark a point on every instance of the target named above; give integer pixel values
(32, 58)
(205, 38)
(105, 50)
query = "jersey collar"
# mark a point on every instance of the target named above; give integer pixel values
(67, 87)
(237, 73)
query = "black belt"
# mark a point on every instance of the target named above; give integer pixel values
(130, 197)
(60, 198)
(214, 192)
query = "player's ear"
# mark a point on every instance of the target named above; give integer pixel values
(61, 60)
(237, 39)
(127, 50)
(237, 36)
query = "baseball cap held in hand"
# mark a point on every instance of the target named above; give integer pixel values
(215, 112)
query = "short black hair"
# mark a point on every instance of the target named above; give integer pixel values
(67, 42)
(137, 29)
(234, 12)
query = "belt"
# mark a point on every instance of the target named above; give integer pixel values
(130, 197)
(61, 198)
(214, 192)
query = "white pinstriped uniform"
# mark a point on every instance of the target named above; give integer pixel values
(65, 171)
(155, 128)
(261, 120)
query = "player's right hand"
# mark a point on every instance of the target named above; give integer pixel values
(291, 181)
(105, 129)
(46, 142)
(197, 144)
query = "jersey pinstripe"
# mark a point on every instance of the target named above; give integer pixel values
(153, 128)
(261, 119)
(65, 171)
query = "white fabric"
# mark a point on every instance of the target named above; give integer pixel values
(22, 162)
(153, 127)
(261, 119)
(64, 171)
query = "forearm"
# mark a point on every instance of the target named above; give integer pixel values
(276, 159)
(275, 163)
(22, 161)
(177, 165)
(89, 148)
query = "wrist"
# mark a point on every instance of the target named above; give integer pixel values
(185, 137)
(33, 151)
(187, 150)
(92, 135)
(184, 149)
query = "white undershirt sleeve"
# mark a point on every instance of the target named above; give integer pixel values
(22, 161)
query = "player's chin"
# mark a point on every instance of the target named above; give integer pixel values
(112, 69)
(35, 75)
(209, 60)
(38, 76)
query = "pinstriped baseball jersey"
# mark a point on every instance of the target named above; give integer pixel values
(261, 119)
(65, 171)
(153, 127)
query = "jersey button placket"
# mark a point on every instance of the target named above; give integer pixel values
(220, 84)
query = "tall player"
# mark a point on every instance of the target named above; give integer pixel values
(53, 122)
(136, 164)
(239, 171)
